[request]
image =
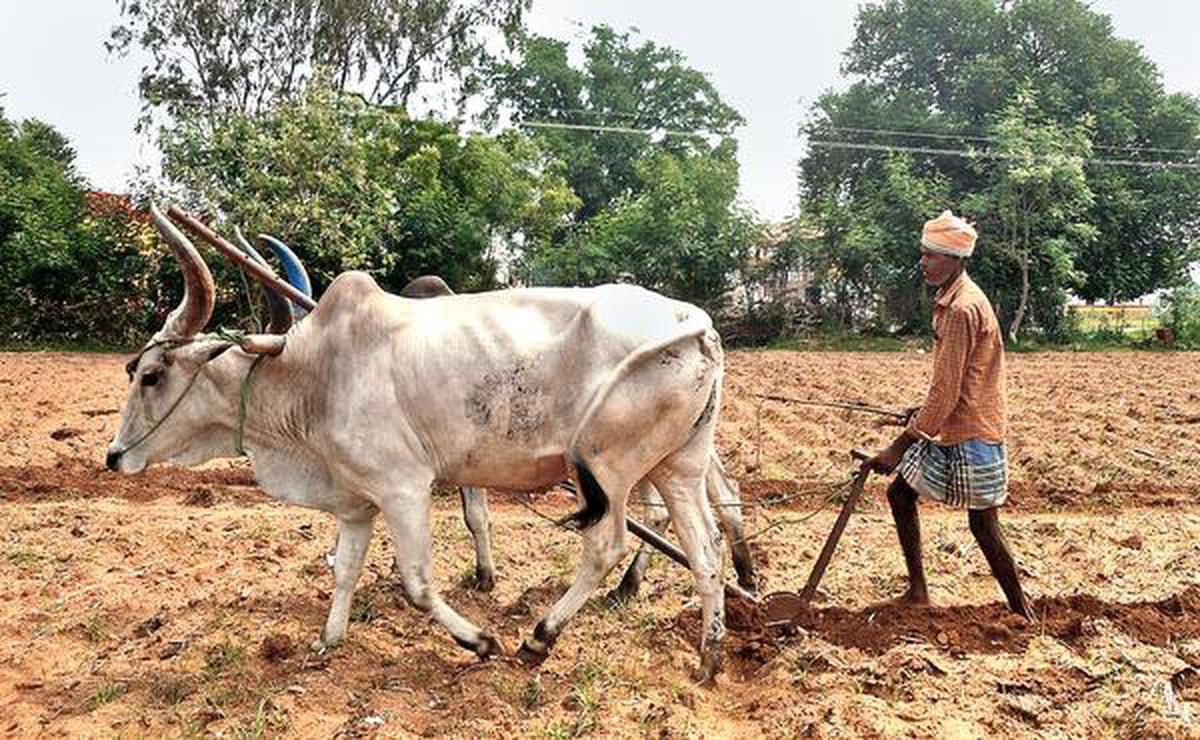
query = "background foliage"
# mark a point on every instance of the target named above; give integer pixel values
(1041, 92)
(615, 161)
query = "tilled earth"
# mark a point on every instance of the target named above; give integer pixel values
(183, 601)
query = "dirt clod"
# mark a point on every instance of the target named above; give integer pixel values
(149, 627)
(277, 648)
(202, 496)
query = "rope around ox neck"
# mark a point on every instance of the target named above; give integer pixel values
(243, 402)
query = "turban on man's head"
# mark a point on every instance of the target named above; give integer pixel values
(949, 234)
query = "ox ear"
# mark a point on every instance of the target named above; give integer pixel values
(195, 309)
(293, 270)
(281, 313)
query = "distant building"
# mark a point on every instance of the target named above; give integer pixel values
(773, 271)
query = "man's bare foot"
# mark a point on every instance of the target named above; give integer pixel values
(910, 598)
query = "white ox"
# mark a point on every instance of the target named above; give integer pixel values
(375, 396)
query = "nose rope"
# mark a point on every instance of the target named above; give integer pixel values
(165, 416)
(243, 401)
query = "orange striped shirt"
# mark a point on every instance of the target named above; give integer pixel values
(966, 397)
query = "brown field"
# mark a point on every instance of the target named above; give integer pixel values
(181, 602)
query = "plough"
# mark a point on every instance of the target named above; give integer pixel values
(779, 607)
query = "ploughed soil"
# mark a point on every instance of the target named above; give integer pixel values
(183, 601)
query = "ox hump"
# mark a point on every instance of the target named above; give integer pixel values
(349, 290)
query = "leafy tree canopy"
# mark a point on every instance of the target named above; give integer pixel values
(233, 56)
(953, 71)
(682, 234)
(65, 269)
(621, 84)
(356, 186)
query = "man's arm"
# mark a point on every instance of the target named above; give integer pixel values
(950, 364)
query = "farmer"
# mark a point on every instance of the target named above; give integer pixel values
(952, 449)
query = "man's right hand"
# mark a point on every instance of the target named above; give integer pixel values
(885, 461)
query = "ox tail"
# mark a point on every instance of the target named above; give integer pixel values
(595, 501)
(694, 326)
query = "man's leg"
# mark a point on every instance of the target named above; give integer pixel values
(903, 500)
(985, 525)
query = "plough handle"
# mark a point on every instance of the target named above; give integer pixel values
(856, 491)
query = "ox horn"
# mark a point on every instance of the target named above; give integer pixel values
(281, 312)
(293, 269)
(194, 311)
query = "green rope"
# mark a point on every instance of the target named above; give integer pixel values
(234, 336)
(243, 402)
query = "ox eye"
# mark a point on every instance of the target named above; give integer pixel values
(150, 379)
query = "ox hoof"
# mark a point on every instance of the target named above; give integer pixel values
(485, 581)
(618, 597)
(530, 657)
(710, 666)
(488, 647)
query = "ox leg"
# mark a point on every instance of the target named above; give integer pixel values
(408, 520)
(353, 540)
(657, 519)
(680, 480)
(603, 545)
(726, 500)
(475, 514)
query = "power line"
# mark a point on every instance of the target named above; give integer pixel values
(976, 137)
(617, 129)
(599, 113)
(827, 144)
(861, 130)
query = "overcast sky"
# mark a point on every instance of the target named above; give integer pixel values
(769, 59)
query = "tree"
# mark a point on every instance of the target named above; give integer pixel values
(622, 84)
(1037, 201)
(66, 269)
(863, 259)
(355, 186)
(660, 209)
(681, 234)
(953, 89)
(235, 57)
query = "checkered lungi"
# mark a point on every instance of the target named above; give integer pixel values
(971, 474)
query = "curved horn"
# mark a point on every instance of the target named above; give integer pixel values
(281, 313)
(426, 286)
(293, 269)
(194, 311)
